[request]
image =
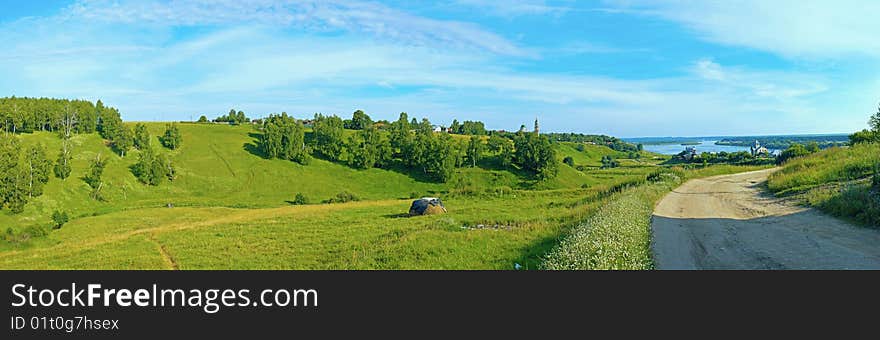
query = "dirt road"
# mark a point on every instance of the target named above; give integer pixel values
(729, 222)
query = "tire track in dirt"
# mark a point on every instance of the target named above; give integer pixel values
(732, 222)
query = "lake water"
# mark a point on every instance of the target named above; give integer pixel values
(704, 146)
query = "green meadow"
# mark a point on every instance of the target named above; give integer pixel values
(229, 207)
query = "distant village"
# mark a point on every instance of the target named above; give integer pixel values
(756, 150)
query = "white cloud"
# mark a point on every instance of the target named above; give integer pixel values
(511, 8)
(149, 73)
(792, 28)
(314, 15)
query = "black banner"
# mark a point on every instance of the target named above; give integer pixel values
(360, 302)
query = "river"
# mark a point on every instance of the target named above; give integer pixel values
(703, 146)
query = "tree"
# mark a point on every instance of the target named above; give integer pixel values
(793, 151)
(812, 147)
(328, 132)
(535, 153)
(609, 162)
(455, 127)
(284, 137)
(68, 122)
(472, 128)
(141, 136)
(93, 177)
(62, 165)
(37, 169)
(475, 150)
(153, 168)
(367, 149)
(864, 136)
(232, 117)
(874, 121)
(172, 138)
(569, 161)
(202, 119)
(360, 120)
(502, 147)
(123, 140)
(13, 189)
(441, 157)
(400, 136)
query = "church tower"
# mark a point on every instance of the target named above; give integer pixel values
(537, 130)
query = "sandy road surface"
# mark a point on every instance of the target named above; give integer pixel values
(729, 222)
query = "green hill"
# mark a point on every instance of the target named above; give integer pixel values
(836, 180)
(231, 209)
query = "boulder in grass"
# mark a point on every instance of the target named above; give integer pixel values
(427, 206)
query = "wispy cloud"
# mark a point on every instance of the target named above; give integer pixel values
(315, 15)
(270, 56)
(512, 8)
(792, 28)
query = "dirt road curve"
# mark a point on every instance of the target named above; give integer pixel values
(729, 222)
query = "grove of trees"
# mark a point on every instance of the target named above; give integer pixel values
(233, 118)
(284, 137)
(23, 172)
(328, 138)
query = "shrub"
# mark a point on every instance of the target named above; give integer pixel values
(568, 160)
(36, 231)
(300, 199)
(856, 202)
(343, 197)
(876, 179)
(59, 218)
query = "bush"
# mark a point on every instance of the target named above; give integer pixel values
(300, 199)
(414, 195)
(568, 160)
(36, 231)
(876, 179)
(59, 218)
(343, 197)
(856, 202)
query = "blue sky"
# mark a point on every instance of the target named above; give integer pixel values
(621, 67)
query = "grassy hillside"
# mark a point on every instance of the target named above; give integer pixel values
(231, 209)
(836, 180)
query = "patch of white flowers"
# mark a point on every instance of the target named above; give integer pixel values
(618, 236)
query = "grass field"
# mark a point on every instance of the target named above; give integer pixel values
(836, 180)
(231, 210)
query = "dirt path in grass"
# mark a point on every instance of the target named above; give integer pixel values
(731, 222)
(239, 216)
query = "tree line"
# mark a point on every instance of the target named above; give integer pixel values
(25, 170)
(870, 135)
(408, 142)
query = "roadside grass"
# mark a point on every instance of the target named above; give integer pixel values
(835, 180)
(833, 165)
(618, 236)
